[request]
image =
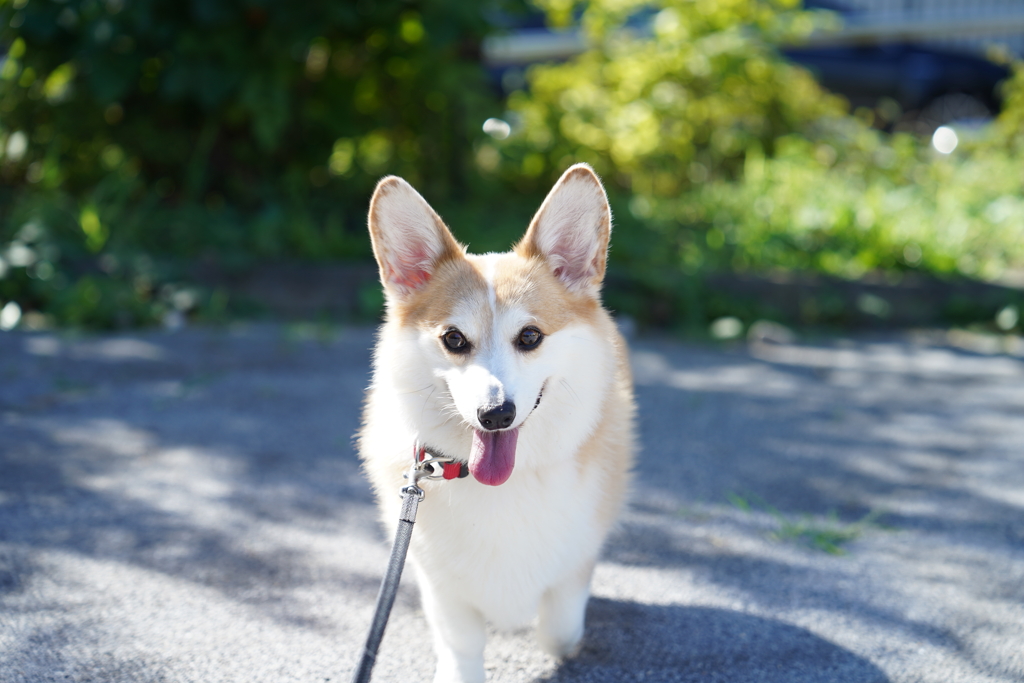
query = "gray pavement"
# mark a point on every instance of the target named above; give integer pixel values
(187, 506)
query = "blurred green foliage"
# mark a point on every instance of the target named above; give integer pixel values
(227, 129)
(242, 102)
(676, 105)
(140, 139)
(867, 203)
(734, 160)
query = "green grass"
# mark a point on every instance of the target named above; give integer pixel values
(826, 533)
(65, 385)
(322, 331)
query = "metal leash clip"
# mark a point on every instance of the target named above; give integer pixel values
(424, 468)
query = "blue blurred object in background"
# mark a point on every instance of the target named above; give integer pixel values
(901, 63)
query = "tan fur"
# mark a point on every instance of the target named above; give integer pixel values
(529, 283)
(454, 280)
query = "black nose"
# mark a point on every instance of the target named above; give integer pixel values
(498, 417)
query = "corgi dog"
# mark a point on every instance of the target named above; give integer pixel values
(509, 364)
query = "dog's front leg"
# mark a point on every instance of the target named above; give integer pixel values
(459, 636)
(562, 612)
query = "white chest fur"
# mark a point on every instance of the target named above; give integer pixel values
(501, 548)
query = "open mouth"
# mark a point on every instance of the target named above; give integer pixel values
(492, 455)
(540, 395)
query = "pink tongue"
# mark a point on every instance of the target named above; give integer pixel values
(493, 455)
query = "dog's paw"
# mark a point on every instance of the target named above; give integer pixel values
(562, 646)
(450, 670)
(450, 677)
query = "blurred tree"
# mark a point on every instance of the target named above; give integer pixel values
(677, 102)
(733, 159)
(248, 103)
(136, 136)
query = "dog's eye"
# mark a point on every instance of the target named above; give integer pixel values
(529, 338)
(455, 341)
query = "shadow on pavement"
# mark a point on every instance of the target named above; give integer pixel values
(45, 506)
(90, 451)
(770, 583)
(627, 641)
(254, 441)
(832, 438)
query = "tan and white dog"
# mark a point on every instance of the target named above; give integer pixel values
(509, 363)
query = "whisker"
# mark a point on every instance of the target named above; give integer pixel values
(426, 401)
(568, 388)
(416, 391)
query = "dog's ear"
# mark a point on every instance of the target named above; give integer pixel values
(409, 238)
(571, 230)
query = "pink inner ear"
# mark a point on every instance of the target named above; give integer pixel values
(409, 270)
(571, 258)
(409, 279)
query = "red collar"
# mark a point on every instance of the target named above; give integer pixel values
(451, 470)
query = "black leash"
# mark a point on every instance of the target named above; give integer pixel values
(412, 495)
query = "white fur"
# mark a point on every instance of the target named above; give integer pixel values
(495, 374)
(498, 554)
